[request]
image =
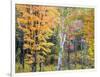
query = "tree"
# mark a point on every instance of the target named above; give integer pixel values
(37, 23)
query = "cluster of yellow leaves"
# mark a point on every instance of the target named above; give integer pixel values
(32, 17)
(89, 32)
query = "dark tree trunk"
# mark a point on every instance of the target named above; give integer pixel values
(22, 57)
(34, 63)
(68, 58)
(34, 66)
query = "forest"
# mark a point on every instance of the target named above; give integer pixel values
(53, 38)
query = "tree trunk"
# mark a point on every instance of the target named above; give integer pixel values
(62, 41)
